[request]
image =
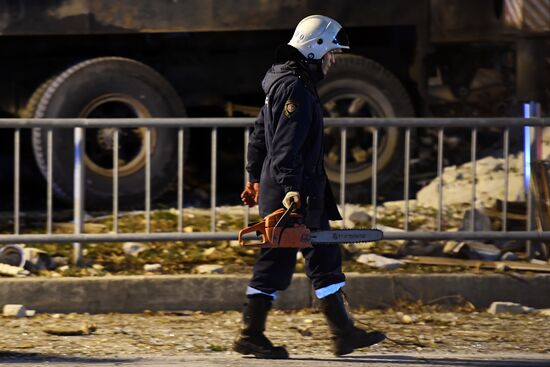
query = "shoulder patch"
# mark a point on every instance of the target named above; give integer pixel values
(290, 108)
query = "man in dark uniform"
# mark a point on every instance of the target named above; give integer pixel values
(285, 164)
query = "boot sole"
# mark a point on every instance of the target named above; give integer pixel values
(375, 340)
(250, 350)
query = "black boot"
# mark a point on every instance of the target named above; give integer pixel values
(252, 339)
(345, 336)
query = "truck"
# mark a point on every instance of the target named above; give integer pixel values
(175, 58)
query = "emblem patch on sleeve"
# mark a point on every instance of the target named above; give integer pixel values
(290, 108)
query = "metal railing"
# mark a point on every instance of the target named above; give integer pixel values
(181, 124)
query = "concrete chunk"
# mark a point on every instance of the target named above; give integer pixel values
(152, 267)
(133, 248)
(12, 271)
(509, 307)
(208, 269)
(379, 262)
(14, 311)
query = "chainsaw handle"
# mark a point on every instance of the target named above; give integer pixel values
(257, 227)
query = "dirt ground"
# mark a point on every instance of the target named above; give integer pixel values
(410, 329)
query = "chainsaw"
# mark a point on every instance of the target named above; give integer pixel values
(286, 229)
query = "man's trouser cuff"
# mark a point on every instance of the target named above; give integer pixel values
(252, 291)
(328, 290)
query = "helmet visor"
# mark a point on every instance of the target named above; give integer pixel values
(341, 40)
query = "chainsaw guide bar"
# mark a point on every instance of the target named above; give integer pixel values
(285, 229)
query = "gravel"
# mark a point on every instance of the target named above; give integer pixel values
(303, 332)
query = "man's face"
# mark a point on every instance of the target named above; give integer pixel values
(328, 60)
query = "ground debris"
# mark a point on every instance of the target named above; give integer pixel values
(380, 262)
(18, 311)
(72, 330)
(13, 271)
(133, 248)
(176, 257)
(509, 307)
(208, 269)
(178, 333)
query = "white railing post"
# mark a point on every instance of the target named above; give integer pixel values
(78, 192)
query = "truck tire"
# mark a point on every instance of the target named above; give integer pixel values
(108, 87)
(359, 87)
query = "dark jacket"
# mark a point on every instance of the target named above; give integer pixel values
(285, 152)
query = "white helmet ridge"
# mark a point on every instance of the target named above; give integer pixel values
(318, 34)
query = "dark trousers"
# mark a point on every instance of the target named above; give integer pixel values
(274, 267)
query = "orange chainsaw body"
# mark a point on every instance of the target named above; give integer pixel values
(296, 235)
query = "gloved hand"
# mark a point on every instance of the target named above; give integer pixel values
(249, 196)
(290, 197)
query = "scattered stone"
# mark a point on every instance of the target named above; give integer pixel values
(133, 248)
(360, 218)
(30, 313)
(234, 243)
(14, 311)
(379, 262)
(209, 251)
(403, 318)
(64, 268)
(88, 227)
(208, 269)
(188, 229)
(70, 330)
(544, 312)
(98, 267)
(175, 212)
(13, 271)
(509, 307)
(152, 267)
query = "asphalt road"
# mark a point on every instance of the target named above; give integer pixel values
(357, 359)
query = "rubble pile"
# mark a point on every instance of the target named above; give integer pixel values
(490, 178)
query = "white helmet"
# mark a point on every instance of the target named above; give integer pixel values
(316, 35)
